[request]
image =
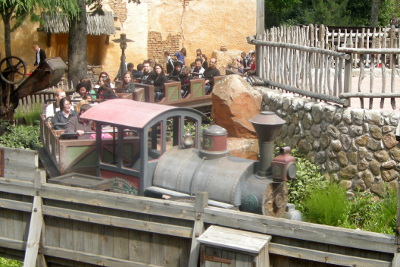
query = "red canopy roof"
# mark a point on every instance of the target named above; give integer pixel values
(126, 112)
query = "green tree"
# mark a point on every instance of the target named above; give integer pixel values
(328, 12)
(14, 12)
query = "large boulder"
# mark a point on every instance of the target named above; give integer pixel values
(234, 103)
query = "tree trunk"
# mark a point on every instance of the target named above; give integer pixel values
(77, 46)
(7, 105)
(7, 33)
(376, 4)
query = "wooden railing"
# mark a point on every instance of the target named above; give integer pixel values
(44, 222)
(332, 66)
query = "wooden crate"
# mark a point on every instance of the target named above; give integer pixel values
(222, 246)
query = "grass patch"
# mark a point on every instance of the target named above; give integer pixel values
(30, 115)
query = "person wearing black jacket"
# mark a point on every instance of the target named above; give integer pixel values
(159, 80)
(148, 73)
(210, 73)
(40, 55)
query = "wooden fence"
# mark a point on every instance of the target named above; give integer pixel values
(334, 65)
(47, 224)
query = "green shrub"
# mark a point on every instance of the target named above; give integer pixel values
(327, 205)
(308, 178)
(362, 207)
(383, 217)
(29, 114)
(9, 263)
(21, 137)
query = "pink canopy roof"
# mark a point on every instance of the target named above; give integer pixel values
(126, 112)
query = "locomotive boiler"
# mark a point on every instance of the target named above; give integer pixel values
(253, 186)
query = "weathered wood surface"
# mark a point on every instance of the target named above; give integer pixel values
(105, 228)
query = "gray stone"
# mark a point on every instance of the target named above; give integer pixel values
(395, 153)
(389, 175)
(307, 121)
(347, 116)
(304, 146)
(362, 140)
(337, 118)
(352, 157)
(369, 156)
(331, 154)
(316, 145)
(316, 130)
(316, 112)
(357, 116)
(378, 188)
(362, 152)
(342, 159)
(359, 185)
(336, 145)
(332, 166)
(389, 140)
(389, 164)
(286, 104)
(346, 184)
(373, 117)
(311, 157)
(321, 157)
(344, 129)
(375, 167)
(373, 144)
(328, 113)
(363, 165)
(368, 178)
(355, 130)
(388, 128)
(348, 173)
(376, 132)
(381, 155)
(325, 141)
(333, 131)
(308, 106)
(346, 141)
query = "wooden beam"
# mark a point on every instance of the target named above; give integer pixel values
(103, 219)
(325, 257)
(35, 230)
(79, 256)
(198, 229)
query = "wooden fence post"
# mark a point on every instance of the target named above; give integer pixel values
(200, 203)
(348, 73)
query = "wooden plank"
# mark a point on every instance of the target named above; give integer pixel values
(79, 256)
(147, 226)
(15, 205)
(12, 243)
(23, 158)
(301, 230)
(35, 230)
(325, 257)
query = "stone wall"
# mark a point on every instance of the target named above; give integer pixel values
(356, 147)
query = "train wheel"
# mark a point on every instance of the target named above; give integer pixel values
(275, 199)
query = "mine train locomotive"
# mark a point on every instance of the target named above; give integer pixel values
(190, 165)
(253, 186)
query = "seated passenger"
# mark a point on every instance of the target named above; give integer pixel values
(175, 75)
(209, 75)
(159, 80)
(91, 90)
(185, 81)
(104, 75)
(138, 74)
(80, 126)
(252, 70)
(52, 108)
(169, 63)
(198, 69)
(81, 90)
(62, 116)
(127, 83)
(148, 73)
(106, 92)
(204, 60)
(129, 67)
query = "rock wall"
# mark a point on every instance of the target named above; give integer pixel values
(356, 147)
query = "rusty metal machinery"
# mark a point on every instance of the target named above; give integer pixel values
(12, 70)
